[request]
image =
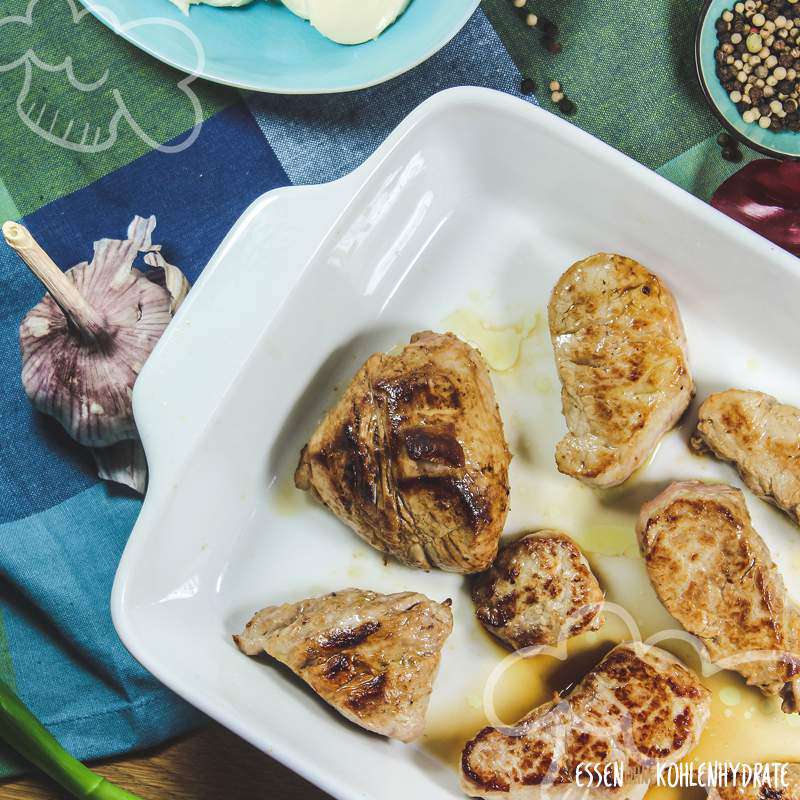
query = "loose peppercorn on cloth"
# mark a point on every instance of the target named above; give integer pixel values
(627, 67)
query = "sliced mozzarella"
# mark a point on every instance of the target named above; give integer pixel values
(184, 5)
(349, 21)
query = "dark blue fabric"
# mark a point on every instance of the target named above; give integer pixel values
(68, 663)
(196, 196)
(62, 531)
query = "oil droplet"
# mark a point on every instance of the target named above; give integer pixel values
(759, 734)
(477, 297)
(474, 700)
(609, 540)
(500, 345)
(626, 583)
(731, 696)
(355, 572)
(288, 499)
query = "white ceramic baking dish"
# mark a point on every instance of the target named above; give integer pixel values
(464, 218)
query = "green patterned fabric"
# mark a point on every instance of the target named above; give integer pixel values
(8, 209)
(50, 100)
(630, 70)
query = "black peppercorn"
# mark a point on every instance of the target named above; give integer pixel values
(547, 26)
(566, 106)
(724, 139)
(552, 45)
(732, 154)
(528, 86)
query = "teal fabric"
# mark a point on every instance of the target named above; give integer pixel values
(78, 678)
(62, 532)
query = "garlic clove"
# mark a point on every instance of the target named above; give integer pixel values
(174, 280)
(123, 462)
(140, 231)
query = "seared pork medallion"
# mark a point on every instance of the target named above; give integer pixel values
(621, 355)
(372, 656)
(714, 574)
(413, 457)
(639, 705)
(761, 437)
(539, 591)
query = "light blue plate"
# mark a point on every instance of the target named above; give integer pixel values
(264, 47)
(780, 144)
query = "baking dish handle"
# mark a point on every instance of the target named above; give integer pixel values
(270, 244)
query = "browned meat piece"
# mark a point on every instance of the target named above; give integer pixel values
(621, 356)
(372, 656)
(714, 574)
(540, 590)
(639, 705)
(413, 456)
(754, 791)
(761, 437)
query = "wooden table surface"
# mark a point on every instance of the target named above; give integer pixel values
(211, 764)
